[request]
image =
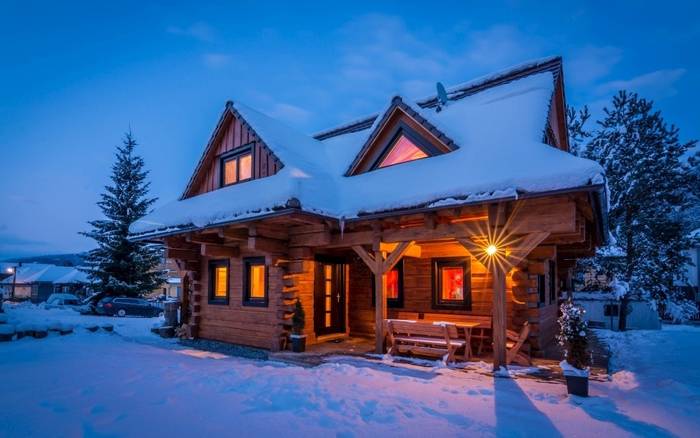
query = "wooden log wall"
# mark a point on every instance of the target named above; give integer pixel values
(239, 324)
(542, 316)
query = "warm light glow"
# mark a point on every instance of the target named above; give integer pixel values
(257, 281)
(491, 250)
(10, 270)
(403, 150)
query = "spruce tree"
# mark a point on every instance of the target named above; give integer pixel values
(119, 266)
(649, 183)
(578, 134)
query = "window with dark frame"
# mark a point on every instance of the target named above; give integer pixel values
(218, 281)
(405, 145)
(393, 288)
(552, 282)
(255, 287)
(452, 283)
(237, 166)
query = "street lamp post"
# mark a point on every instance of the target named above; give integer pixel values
(14, 281)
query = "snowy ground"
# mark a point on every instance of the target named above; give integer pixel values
(133, 384)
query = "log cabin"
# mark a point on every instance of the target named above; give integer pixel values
(463, 205)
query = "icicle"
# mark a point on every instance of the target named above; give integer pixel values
(341, 224)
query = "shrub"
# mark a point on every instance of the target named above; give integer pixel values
(573, 335)
(298, 319)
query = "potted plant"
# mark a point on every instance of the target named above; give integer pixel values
(298, 323)
(573, 337)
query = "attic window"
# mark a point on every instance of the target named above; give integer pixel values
(236, 167)
(402, 151)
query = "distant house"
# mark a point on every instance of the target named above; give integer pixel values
(172, 288)
(36, 281)
(603, 311)
(465, 206)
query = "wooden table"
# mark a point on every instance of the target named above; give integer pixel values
(467, 328)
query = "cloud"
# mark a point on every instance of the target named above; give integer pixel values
(200, 31)
(12, 240)
(381, 49)
(654, 85)
(590, 63)
(501, 45)
(216, 60)
(289, 113)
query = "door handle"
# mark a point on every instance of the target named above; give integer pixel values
(338, 296)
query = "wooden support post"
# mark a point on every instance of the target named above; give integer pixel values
(499, 317)
(380, 264)
(379, 305)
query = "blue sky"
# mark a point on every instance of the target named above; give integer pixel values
(74, 77)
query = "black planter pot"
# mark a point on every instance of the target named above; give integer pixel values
(577, 385)
(298, 343)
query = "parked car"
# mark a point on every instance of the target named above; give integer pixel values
(62, 301)
(123, 306)
(89, 304)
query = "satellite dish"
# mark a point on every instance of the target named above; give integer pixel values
(441, 94)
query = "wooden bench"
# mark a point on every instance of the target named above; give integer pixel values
(517, 350)
(481, 335)
(424, 339)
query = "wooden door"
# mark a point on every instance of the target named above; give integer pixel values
(329, 298)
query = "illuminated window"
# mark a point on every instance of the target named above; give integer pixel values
(328, 293)
(403, 150)
(218, 281)
(452, 283)
(245, 166)
(237, 167)
(393, 286)
(230, 171)
(255, 282)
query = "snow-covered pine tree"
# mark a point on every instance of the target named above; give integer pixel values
(578, 134)
(649, 186)
(119, 266)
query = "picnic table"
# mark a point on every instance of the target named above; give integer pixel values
(466, 327)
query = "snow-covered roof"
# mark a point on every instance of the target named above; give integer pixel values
(40, 272)
(500, 154)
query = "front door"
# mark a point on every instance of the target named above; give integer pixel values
(329, 298)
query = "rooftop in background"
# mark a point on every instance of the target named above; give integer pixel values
(39, 273)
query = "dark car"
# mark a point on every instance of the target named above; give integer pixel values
(122, 306)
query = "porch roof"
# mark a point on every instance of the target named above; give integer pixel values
(499, 133)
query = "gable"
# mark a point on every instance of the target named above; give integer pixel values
(233, 138)
(399, 136)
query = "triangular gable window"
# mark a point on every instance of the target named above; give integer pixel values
(402, 151)
(401, 135)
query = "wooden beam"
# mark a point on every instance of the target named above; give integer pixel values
(233, 233)
(412, 251)
(366, 257)
(204, 238)
(314, 238)
(393, 257)
(181, 254)
(219, 251)
(523, 247)
(264, 244)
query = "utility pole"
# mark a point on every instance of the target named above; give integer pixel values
(14, 281)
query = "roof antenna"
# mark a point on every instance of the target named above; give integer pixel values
(441, 96)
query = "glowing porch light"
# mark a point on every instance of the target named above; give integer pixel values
(491, 250)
